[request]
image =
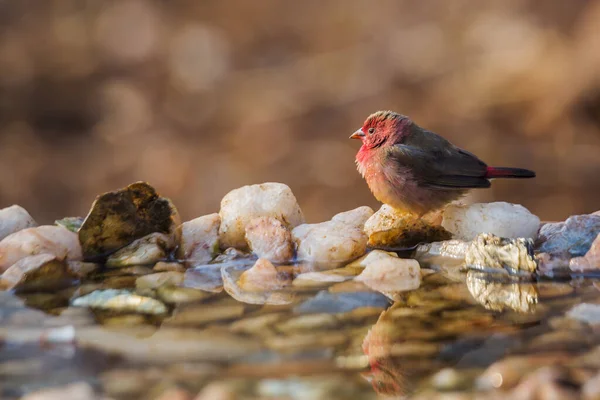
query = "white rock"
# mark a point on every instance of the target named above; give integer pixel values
(372, 256)
(330, 242)
(240, 206)
(147, 250)
(391, 274)
(263, 276)
(502, 219)
(14, 219)
(356, 217)
(268, 238)
(199, 239)
(46, 239)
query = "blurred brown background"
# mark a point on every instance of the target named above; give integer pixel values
(200, 97)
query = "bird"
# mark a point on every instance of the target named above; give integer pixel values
(415, 170)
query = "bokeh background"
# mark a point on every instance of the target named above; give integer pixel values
(200, 97)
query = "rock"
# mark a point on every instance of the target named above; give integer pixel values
(390, 274)
(263, 276)
(154, 281)
(204, 277)
(231, 276)
(163, 266)
(39, 272)
(46, 239)
(370, 257)
(73, 391)
(493, 254)
(14, 219)
(232, 255)
(586, 312)
(269, 238)
(329, 243)
(392, 228)
(118, 218)
(325, 302)
(448, 248)
(144, 251)
(571, 238)
(120, 300)
(199, 239)
(240, 206)
(499, 296)
(356, 217)
(82, 269)
(322, 278)
(591, 260)
(203, 314)
(70, 223)
(178, 295)
(500, 219)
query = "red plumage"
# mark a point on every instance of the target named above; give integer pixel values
(416, 170)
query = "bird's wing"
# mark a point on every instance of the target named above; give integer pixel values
(435, 162)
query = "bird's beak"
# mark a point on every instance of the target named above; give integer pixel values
(359, 134)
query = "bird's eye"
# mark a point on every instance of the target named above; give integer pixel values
(371, 130)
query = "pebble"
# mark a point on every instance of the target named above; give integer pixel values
(391, 228)
(46, 239)
(120, 300)
(269, 238)
(240, 206)
(356, 217)
(501, 219)
(391, 274)
(178, 295)
(372, 256)
(205, 277)
(263, 276)
(39, 272)
(571, 238)
(498, 255)
(329, 243)
(501, 296)
(231, 275)
(325, 302)
(147, 250)
(322, 278)
(199, 239)
(14, 219)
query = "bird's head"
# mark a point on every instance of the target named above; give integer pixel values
(382, 127)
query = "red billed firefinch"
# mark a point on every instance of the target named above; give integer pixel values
(413, 169)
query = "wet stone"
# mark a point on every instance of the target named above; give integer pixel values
(571, 238)
(325, 302)
(199, 239)
(269, 238)
(120, 300)
(392, 228)
(14, 219)
(448, 248)
(144, 251)
(591, 260)
(391, 274)
(356, 217)
(118, 218)
(501, 219)
(263, 276)
(269, 291)
(40, 272)
(500, 296)
(498, 255)
(205, 277)
(70, 223)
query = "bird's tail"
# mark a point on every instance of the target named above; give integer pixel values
(502, 172)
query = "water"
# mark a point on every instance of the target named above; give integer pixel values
(355, 344)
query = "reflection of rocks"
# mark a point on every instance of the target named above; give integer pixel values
(40, 272)
(586, 312)
(48, 239)
(118, 218)
(269, 295)
(199, 239)
(493, 254)
(591, 260)
(144, 251)
(448, 249)
(14, 219)
(500, 219)
(120, 300)
(392, 228)
(329, 243)
(325, 302)
(204, 277)
(241, 205)
(154, 281)
(571, 238)
(269, 238)
(263, 276)
(499, 296)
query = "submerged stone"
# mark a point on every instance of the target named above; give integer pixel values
(199, 239)
(270, 295)
(39, 272)
(240, 206)
(14, 219)
(490, 253)
(71, 223)
(120, 300)
(329, 243)
(392, 228)
(322, 278)
(500, 296)
(325, 302)
(269, 238)
(178, 295)
(144, 251)
(571, 238)
(46, 239)
(204, 277)
(263, 276)
(118, 218)
(501, 219)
